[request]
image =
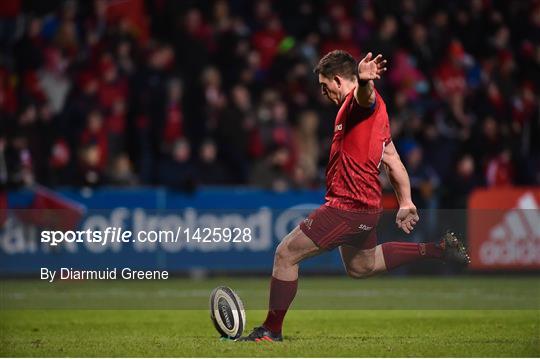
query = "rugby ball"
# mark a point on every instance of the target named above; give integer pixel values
(227, 312)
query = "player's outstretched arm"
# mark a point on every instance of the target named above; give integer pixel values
(369, 69)
(407, 216)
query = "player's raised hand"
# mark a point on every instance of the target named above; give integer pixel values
(371, 68)
(406, 218)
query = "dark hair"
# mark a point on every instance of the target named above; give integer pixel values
(337, 62)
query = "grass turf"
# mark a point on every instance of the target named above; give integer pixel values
(460, 327)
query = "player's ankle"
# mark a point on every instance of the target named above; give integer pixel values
(272, 329)
(431, 250)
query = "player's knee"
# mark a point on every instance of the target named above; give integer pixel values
(283, 255)
(360, 272)
(355, 274)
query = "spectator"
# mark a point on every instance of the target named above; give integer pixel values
(385, 41)
(115, 124)
(424, 180)
(90, 169)
(500, 170)
(95, 142)
(28, 51)
(209, 170)
(306, 171)
(462, 184)
(177, 171)
(53, 79)
(112, 87)
(172, 126)
(235, 128)
(276, 131)
(121, 172)
(59, 163)
(406, 78)
(343, 39)
(420, 48)
(271, 173)
(266, 41)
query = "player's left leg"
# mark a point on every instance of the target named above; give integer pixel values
(363, 262)
(294, 248)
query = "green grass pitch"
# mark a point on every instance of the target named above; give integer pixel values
(335, 317)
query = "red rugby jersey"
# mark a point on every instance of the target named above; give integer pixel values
(352, 174)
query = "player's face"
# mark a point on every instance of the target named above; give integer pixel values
(330, 89)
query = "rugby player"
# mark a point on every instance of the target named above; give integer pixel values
(349, 216)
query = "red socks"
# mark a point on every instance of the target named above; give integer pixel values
(281, 296)
(399, 253)
(282, 292)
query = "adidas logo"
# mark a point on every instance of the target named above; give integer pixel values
(308, 222)
(516, 239)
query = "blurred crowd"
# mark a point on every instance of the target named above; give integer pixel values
(189, 93)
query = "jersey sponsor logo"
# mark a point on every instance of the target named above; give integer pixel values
(365, 227)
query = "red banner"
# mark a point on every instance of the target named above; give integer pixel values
(50, 210)
(504, 229)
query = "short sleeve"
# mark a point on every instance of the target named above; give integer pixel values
(357, 113)
(360, 112)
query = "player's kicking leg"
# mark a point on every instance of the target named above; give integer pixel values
(292, 250)
(363, 263)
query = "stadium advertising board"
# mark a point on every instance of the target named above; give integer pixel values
(499, 239)
(504, 229)
(164, 230)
